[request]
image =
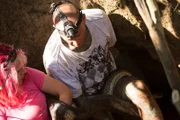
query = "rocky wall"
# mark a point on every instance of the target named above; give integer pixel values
(27, 25)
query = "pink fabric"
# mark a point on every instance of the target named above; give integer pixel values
(35, 106)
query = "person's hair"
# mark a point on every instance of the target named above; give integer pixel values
(10, 94)
(54, 5)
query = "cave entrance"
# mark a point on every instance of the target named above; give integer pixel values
(152, 72)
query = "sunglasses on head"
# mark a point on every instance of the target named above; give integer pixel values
(70, 29)
(11, 58)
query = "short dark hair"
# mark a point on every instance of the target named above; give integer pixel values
(53, 5)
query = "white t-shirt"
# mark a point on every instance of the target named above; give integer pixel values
(87, 69)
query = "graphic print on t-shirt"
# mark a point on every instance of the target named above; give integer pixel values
(93, 72)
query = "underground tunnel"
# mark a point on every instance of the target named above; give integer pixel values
(27, 25)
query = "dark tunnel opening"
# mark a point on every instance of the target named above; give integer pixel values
(152, 72)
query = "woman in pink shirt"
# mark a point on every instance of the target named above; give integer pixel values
(21, 88)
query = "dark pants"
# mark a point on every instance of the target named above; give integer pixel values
(113, 98)
(115, 86)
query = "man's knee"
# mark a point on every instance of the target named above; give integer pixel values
(138, 92)
(121, 86)
(135, 87)
(140, 95)
(132, 89)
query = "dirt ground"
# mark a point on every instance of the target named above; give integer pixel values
(27, 25)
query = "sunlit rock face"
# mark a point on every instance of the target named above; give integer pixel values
(28, 25)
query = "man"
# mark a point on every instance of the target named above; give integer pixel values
(78, 54)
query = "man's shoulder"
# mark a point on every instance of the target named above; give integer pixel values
(93, 11)
(52, 49)
(53, 43)
(94, 14)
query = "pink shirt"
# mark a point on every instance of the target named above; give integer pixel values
(35, 107)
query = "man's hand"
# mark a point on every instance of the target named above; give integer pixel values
(60, 110)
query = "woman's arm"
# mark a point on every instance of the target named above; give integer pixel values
(2, 118)
(57, 88)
